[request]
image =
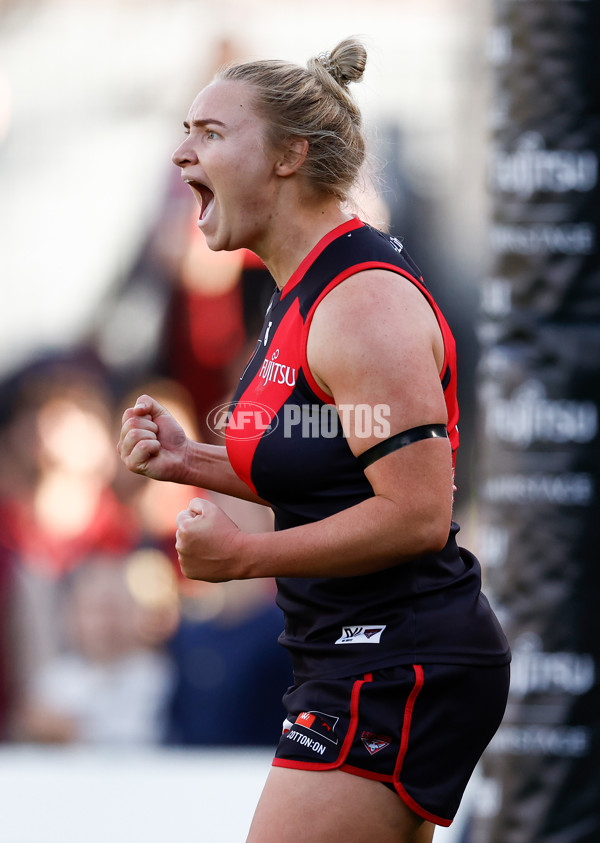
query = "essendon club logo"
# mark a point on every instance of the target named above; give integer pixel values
(243, 420)
(323, 724)
(374, 743)
(361, 634)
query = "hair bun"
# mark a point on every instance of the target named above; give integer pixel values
(346, 62)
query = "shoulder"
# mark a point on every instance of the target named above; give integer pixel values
(375, 312)
(374, 292)
(375, 338)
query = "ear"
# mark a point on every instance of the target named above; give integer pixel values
(292, 156)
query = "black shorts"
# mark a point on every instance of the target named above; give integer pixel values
(420, 729)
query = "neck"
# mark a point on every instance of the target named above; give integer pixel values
(293, 235)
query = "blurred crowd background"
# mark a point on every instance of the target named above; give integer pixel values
(108, 291)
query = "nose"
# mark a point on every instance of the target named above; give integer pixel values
(184, 154)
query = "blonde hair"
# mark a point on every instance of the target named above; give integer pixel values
(313, 103)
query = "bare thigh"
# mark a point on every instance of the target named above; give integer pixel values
(302, 806)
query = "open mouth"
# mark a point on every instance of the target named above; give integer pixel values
(204, 195)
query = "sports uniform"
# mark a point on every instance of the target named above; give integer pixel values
(403, 630)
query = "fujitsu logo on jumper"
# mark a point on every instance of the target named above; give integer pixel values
(274, 372)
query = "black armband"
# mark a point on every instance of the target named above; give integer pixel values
(400, 440)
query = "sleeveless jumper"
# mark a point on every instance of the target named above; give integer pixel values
(285, 441)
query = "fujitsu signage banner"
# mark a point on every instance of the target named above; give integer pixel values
(539, 421)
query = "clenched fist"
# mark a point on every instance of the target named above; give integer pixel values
(208, 543)
(152, 442)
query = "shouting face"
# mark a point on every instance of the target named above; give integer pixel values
(229, 166)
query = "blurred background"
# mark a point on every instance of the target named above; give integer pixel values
(113, 668)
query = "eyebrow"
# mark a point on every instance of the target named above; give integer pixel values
(200, 124)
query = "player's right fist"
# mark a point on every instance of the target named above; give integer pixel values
(152, 442)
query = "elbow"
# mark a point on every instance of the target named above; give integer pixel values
(439, 536)
(431, 530)
(431, 542)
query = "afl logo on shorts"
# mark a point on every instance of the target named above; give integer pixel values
(361, 634)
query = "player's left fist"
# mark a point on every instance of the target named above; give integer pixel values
(208, 543)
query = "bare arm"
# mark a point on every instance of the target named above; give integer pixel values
(373, 340)
(153, 443)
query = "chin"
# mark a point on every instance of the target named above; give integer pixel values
(213, 241)
(214, 247)
(223, 244)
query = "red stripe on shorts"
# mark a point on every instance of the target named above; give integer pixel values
(408, 712)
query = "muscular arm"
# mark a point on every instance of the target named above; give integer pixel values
(367, 537)
(209, 468)
(373, 340)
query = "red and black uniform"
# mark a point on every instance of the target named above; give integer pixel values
(279, 442)
(285, 441)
